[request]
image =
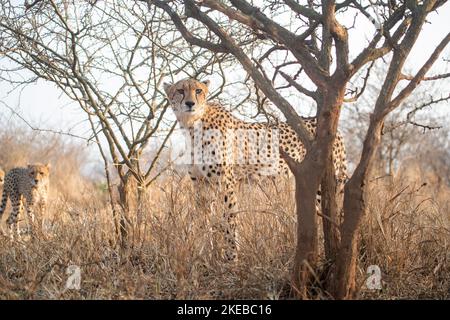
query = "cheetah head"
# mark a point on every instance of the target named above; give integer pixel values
(38, 173)
(188, 99)
(2, 177)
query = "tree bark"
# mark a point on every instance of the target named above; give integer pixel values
(128, 202)
(354, 210)
(308, 176)
(330, 212)
(306, 254)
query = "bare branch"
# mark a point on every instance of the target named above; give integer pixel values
(183, 30)
(304, 11)
(431, 78)
(420, 75)
(363, 88)
(34, 128)
(297, 86)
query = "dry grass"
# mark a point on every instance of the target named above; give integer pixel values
(174, 253)
(407, 233)
(175, 250)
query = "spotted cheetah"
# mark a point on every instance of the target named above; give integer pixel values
(225, 150)
(28, 184)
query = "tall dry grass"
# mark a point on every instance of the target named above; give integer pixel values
(174, 253)
(407, 233)
(175, 250)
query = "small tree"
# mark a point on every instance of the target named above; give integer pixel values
(110, 59)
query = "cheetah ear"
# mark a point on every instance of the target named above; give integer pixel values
(49, 166)
(167, 87)
(206, 83)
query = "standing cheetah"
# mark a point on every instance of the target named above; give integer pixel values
(30, 184)
(226, 150)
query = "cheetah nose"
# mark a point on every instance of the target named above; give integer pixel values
(36, 181)
(190, 104)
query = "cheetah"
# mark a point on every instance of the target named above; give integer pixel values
(225, 150)
(28, 184)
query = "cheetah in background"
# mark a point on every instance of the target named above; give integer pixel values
(226, 150)
(25, 186)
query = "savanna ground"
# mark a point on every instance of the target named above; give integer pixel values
(174, 251)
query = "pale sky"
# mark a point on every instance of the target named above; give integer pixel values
(43, 105)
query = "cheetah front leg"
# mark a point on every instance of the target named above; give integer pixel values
(32, 203)
(30, 210)
(17, 208)
(229, 229)
(3, 203)
(42, 210)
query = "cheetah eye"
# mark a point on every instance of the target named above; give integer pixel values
(180, 91)
(198, 91)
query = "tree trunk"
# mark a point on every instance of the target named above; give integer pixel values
(330, 223)
(354, 210)
(128, 202)
(308, 176)
(140, 192)
(329, 106)
(330, 212)
(306, 185)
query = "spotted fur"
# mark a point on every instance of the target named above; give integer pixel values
(229, 150)
(25, 187)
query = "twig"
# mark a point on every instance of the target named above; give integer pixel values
(40, 129)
